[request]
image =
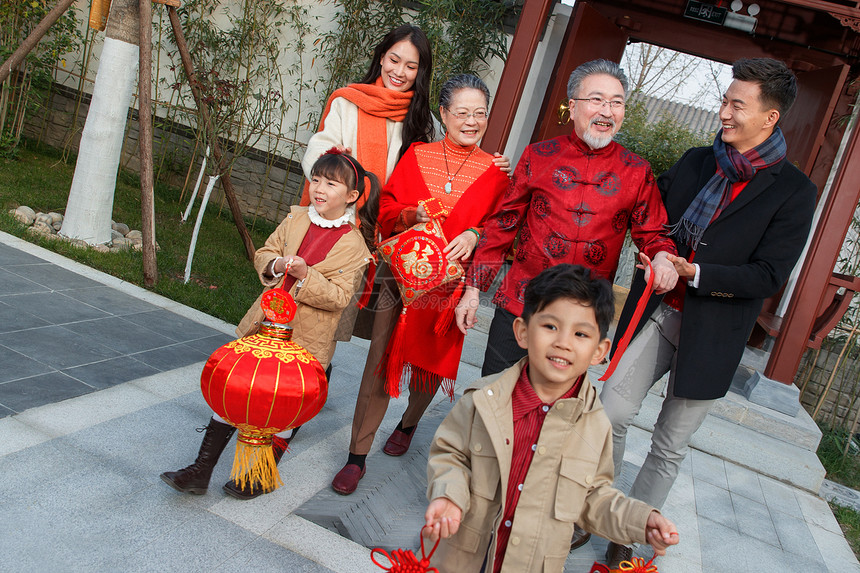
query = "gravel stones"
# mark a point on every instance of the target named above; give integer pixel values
(120, 228)
(24, 214)
(47, 225)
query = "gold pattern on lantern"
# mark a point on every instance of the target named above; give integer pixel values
(262, 348)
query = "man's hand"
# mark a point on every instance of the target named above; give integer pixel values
(466, 309)
(442, 519)
(665, 275)
(461, 246)
(503, 162)
(660, 532)
(685, 269)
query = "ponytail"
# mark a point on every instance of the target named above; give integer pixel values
(369, 212)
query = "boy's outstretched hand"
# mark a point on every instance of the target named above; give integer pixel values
(442, 519)
(660, 532)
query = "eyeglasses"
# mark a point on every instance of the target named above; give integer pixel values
(600, 102)
(479, 115)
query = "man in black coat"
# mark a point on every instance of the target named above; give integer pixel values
(740, 214)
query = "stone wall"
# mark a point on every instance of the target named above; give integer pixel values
(266, 185)
(841, 402)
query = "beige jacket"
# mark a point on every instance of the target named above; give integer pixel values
(326, 291)
(341, 128)
(569, 480)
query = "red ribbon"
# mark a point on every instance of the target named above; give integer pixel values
(631, 328)
(401, 561)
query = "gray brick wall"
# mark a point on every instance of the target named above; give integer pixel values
(265, 184)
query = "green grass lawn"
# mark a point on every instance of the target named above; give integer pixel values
(843, 469)
(223, 282)
(849, 520)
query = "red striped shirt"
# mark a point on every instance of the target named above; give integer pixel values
(529, 413)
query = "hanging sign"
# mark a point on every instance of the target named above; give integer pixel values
(705, 12)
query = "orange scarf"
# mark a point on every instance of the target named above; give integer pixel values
(376, 104)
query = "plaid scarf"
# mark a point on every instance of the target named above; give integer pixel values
(715, 196)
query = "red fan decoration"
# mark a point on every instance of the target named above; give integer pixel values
(400, 561)
(635, 565)
(264, 384)
(417, 261)
(418, 264)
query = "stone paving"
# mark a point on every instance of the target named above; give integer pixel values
(99, 393)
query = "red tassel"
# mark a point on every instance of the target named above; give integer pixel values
(401, 561)
(448, 387)
(631, 328)
(446, 317)
(369, 278)
(394, 358)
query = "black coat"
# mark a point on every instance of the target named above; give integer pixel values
(745, 256)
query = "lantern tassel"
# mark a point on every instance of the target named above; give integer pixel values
(254, 464)
(392, 367)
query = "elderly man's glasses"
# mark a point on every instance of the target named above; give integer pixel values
(600, 102)
(479, 115)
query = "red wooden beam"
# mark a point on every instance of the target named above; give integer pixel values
(526, 37)
(822, 6)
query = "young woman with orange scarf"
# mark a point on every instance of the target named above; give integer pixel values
(457, 173)
(378, 118)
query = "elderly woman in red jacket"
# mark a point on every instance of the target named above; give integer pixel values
(462, 177)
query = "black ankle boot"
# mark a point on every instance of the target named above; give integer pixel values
(252, 490)
(195, 478)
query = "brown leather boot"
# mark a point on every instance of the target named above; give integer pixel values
(252, 490)
(195, 478)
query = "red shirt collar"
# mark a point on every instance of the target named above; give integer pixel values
(577, 142)
(524, 399)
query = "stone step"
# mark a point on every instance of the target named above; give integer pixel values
(744, 433)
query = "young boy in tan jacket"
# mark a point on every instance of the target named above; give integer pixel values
(527, 453)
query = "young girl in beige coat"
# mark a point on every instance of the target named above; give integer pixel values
(319, 256)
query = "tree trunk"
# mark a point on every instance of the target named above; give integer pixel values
(220, 160)
(147, 183)
(90, 205)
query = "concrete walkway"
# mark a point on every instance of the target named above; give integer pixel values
(99, 393)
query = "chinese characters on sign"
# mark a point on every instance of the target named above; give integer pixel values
(705, 12)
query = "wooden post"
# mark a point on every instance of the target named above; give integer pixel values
(523, 47)
(144, 121)
(827, 239)
(217, 154)
(30, 42)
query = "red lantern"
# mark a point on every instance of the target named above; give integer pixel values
(264, 384)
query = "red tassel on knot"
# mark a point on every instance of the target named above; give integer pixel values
(394, 359)
(369, 279)
(401, 561)
(446, 317)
